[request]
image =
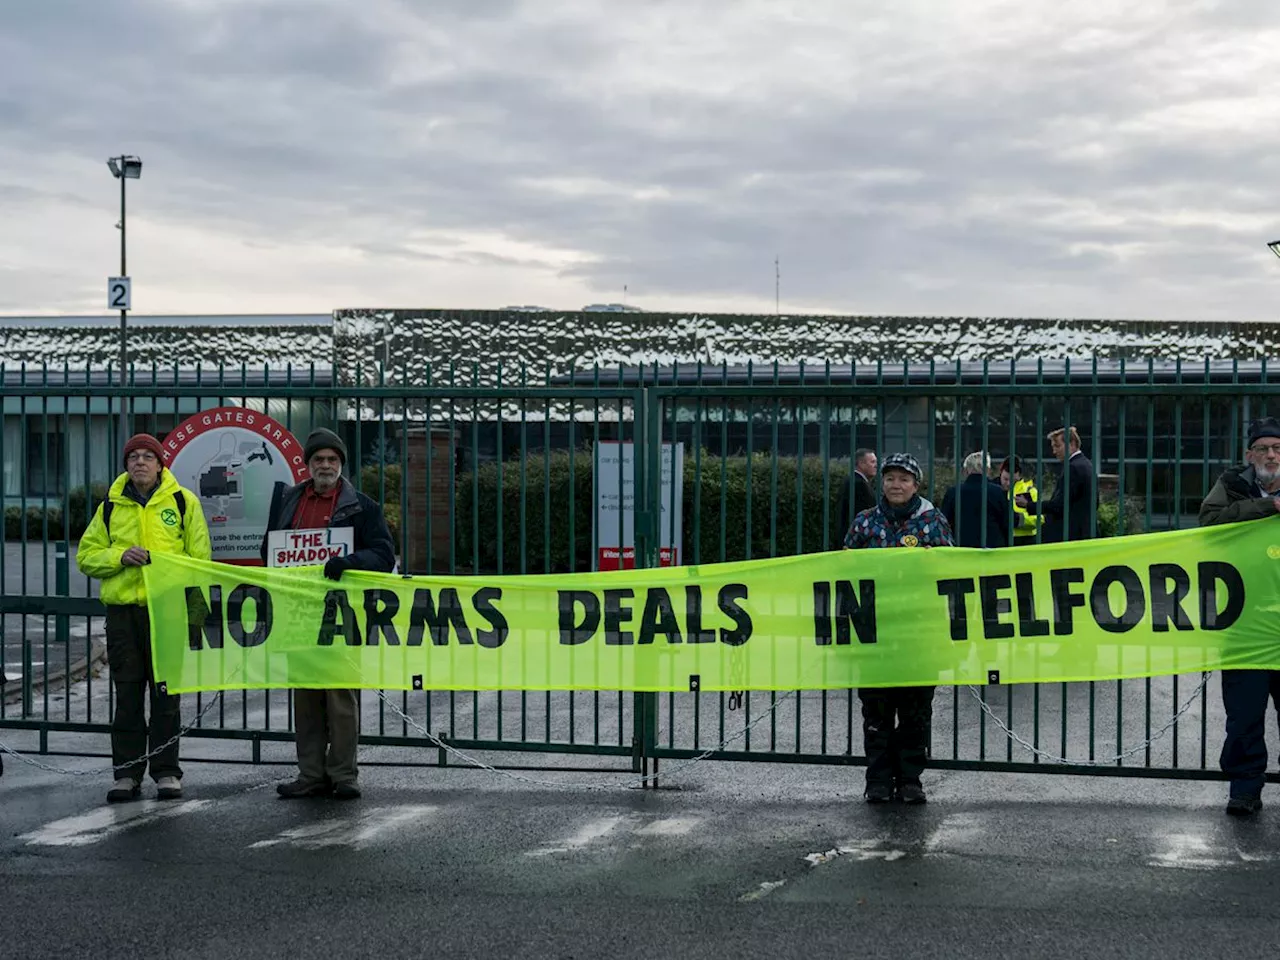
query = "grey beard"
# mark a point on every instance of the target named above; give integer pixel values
(1265, 477)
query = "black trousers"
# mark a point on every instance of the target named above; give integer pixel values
(132, 736)
(1244, 752)
(896, 724)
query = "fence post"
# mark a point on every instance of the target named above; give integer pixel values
(61, 588)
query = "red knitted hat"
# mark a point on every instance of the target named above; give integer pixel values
(144, 441)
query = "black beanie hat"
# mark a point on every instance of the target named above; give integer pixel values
(1264, 427)
(321, 439)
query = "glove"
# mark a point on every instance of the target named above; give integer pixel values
(334, 566)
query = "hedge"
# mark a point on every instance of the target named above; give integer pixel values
(79, 518)
(720, 495)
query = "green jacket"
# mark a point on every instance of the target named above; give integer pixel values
(157, 528)
(1235, 497)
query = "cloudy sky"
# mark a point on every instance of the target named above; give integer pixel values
(1102, 158)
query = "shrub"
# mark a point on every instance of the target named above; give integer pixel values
(34, 520)
(78, 507)
(391, 510)
(1109, 517)
(374, 479)
(553, 483)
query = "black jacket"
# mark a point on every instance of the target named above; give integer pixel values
(864, 498)
(962, 506)
(1236, 497)
(1077, 486)
(373, 547)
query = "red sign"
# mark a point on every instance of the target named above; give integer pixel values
(236, 461)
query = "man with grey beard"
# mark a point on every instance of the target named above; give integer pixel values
(1248, 492)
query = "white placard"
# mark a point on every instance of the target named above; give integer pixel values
(308, 548)
(615, 471)
(119, 293)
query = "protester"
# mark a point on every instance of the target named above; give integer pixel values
(327, 722)
(862, 484)
(896, 755)
(146, 512)
(1026, 519)
(1247, 492)
(976, 508)
(1069, 513)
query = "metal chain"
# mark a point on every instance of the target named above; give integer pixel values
(608, 785)
(671, 770)
(156, 751)
(1053, 758)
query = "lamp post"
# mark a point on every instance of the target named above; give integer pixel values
(124, 168)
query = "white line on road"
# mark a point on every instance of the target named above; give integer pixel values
(957, 830)
(586, 835)
(668, 827)
(97, 826)
(765, 888)
(1188, 851)
(876, 849)
(357, 832)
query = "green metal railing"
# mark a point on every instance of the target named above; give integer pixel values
(485, 479)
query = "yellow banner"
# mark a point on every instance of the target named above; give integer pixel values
(1102, 609)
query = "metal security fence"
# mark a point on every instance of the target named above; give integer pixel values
(498, 479)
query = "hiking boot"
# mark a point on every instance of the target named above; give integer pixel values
(1244, 805)
(346, 791)
(303, 788)
(124, 790)
(878, 792)
(168, 788)
(911, 793)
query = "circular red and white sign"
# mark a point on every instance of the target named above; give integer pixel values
(235, 461)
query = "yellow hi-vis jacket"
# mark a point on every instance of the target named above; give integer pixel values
(1025, 522)
(159, 527)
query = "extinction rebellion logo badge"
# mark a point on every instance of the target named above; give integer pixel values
(169, 516)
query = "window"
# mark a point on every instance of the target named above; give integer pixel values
(46, 457)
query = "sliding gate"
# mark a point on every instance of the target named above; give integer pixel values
(490, 480)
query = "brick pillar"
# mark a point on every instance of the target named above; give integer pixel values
(423, 501)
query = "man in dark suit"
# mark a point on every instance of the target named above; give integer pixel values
(860, 491)
(976, 507)
(1069, 514)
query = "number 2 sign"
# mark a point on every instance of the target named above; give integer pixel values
(119, 293)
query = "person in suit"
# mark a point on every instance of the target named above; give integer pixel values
(860, 492)
(1070, 512)
(976, 508)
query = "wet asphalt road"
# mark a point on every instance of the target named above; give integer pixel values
(736, 861)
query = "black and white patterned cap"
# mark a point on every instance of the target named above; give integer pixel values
(902, 461)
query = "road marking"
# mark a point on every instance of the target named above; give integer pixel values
(357, 832)
(861, 850)
(957, 830)
(766, 888)
(586, 835)
(108, 821)
(668, 827)
(1189, 851)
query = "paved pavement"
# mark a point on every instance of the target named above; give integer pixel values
(728, 860)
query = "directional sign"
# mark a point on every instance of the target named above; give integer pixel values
(119, 293)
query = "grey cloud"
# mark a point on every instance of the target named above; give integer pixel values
(283, 122)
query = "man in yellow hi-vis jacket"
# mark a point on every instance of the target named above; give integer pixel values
(1025, 497)
(145, 512)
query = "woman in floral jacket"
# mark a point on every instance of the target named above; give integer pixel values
(896, 720)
